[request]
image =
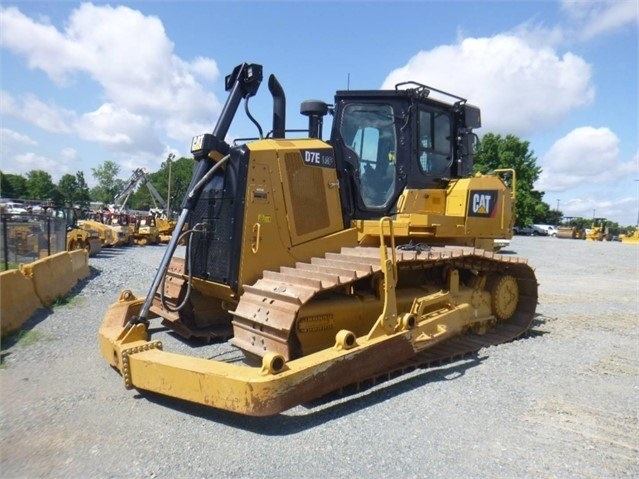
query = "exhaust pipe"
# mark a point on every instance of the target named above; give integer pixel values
(279, 107)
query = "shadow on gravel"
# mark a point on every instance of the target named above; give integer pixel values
(22, 333)
(537, 326)
(110, 252)
(320, 411)
(93, 273)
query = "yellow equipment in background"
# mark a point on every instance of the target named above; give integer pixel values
(165, 228)
(598, 231)
(633, 238)
(78, 237)
(328, 262)
(571, 232)
(145, 231)
(108, 236)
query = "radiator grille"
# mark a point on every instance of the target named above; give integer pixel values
(308, 198)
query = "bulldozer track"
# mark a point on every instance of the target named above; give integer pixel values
(266, 314)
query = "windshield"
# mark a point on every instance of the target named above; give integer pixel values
(369, 131)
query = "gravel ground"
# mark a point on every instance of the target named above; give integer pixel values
(561, 403)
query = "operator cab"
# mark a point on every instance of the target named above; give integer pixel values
(389, 140)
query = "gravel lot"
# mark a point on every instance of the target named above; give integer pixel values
(561, 403)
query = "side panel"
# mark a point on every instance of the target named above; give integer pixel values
(293, 208)
(311, 193)
(468, 210)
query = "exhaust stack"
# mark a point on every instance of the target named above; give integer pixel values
(279, 107)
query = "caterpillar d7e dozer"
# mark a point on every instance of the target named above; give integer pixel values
(329, 263)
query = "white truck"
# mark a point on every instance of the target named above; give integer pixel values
(545, 230)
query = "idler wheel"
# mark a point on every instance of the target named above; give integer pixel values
(504, 297)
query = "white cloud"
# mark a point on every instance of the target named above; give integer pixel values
(42, 45)
(26, 162)
(68, 154)
(597, 17)
(46, 116)
(130, 57)
(49, 117)
(205, 68)
(585, 156)
(112, 126)
(539, 35)
(520, 89)
(118, 129)
(622, 210)
(7, 103)
(12, 143)
(10, 137)
(64, 161)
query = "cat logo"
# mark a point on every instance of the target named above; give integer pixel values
(482, 203)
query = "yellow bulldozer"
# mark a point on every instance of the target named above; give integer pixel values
(78, 236)
(329, 263)
(93, 220)
(145, 231)
(165, 228)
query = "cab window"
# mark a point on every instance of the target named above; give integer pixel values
(368, 131)
(435, 146)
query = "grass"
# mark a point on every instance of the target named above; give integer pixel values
(24, 338)
(30, 337)
(12, 265)
(66, 301)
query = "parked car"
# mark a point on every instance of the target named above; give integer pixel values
(14, 211)
(14, 208)
(544, 230)
(523, 230)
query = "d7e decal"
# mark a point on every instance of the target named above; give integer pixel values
(323, 158)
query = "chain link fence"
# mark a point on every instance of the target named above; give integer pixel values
(25, 238)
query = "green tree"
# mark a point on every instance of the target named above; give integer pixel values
(13, 186)
(83, 197)
(40, 186)
(553, 217)
(68, 187)
(108, 183)
(73, 190)
(181, 174)
(494, 152)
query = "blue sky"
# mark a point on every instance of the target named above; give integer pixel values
(129, 82)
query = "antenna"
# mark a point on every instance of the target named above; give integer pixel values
(348, 81)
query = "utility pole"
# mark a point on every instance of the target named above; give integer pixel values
(168, 194)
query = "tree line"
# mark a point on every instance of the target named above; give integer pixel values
(492, 152)
(495, 152)
(72, 190)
